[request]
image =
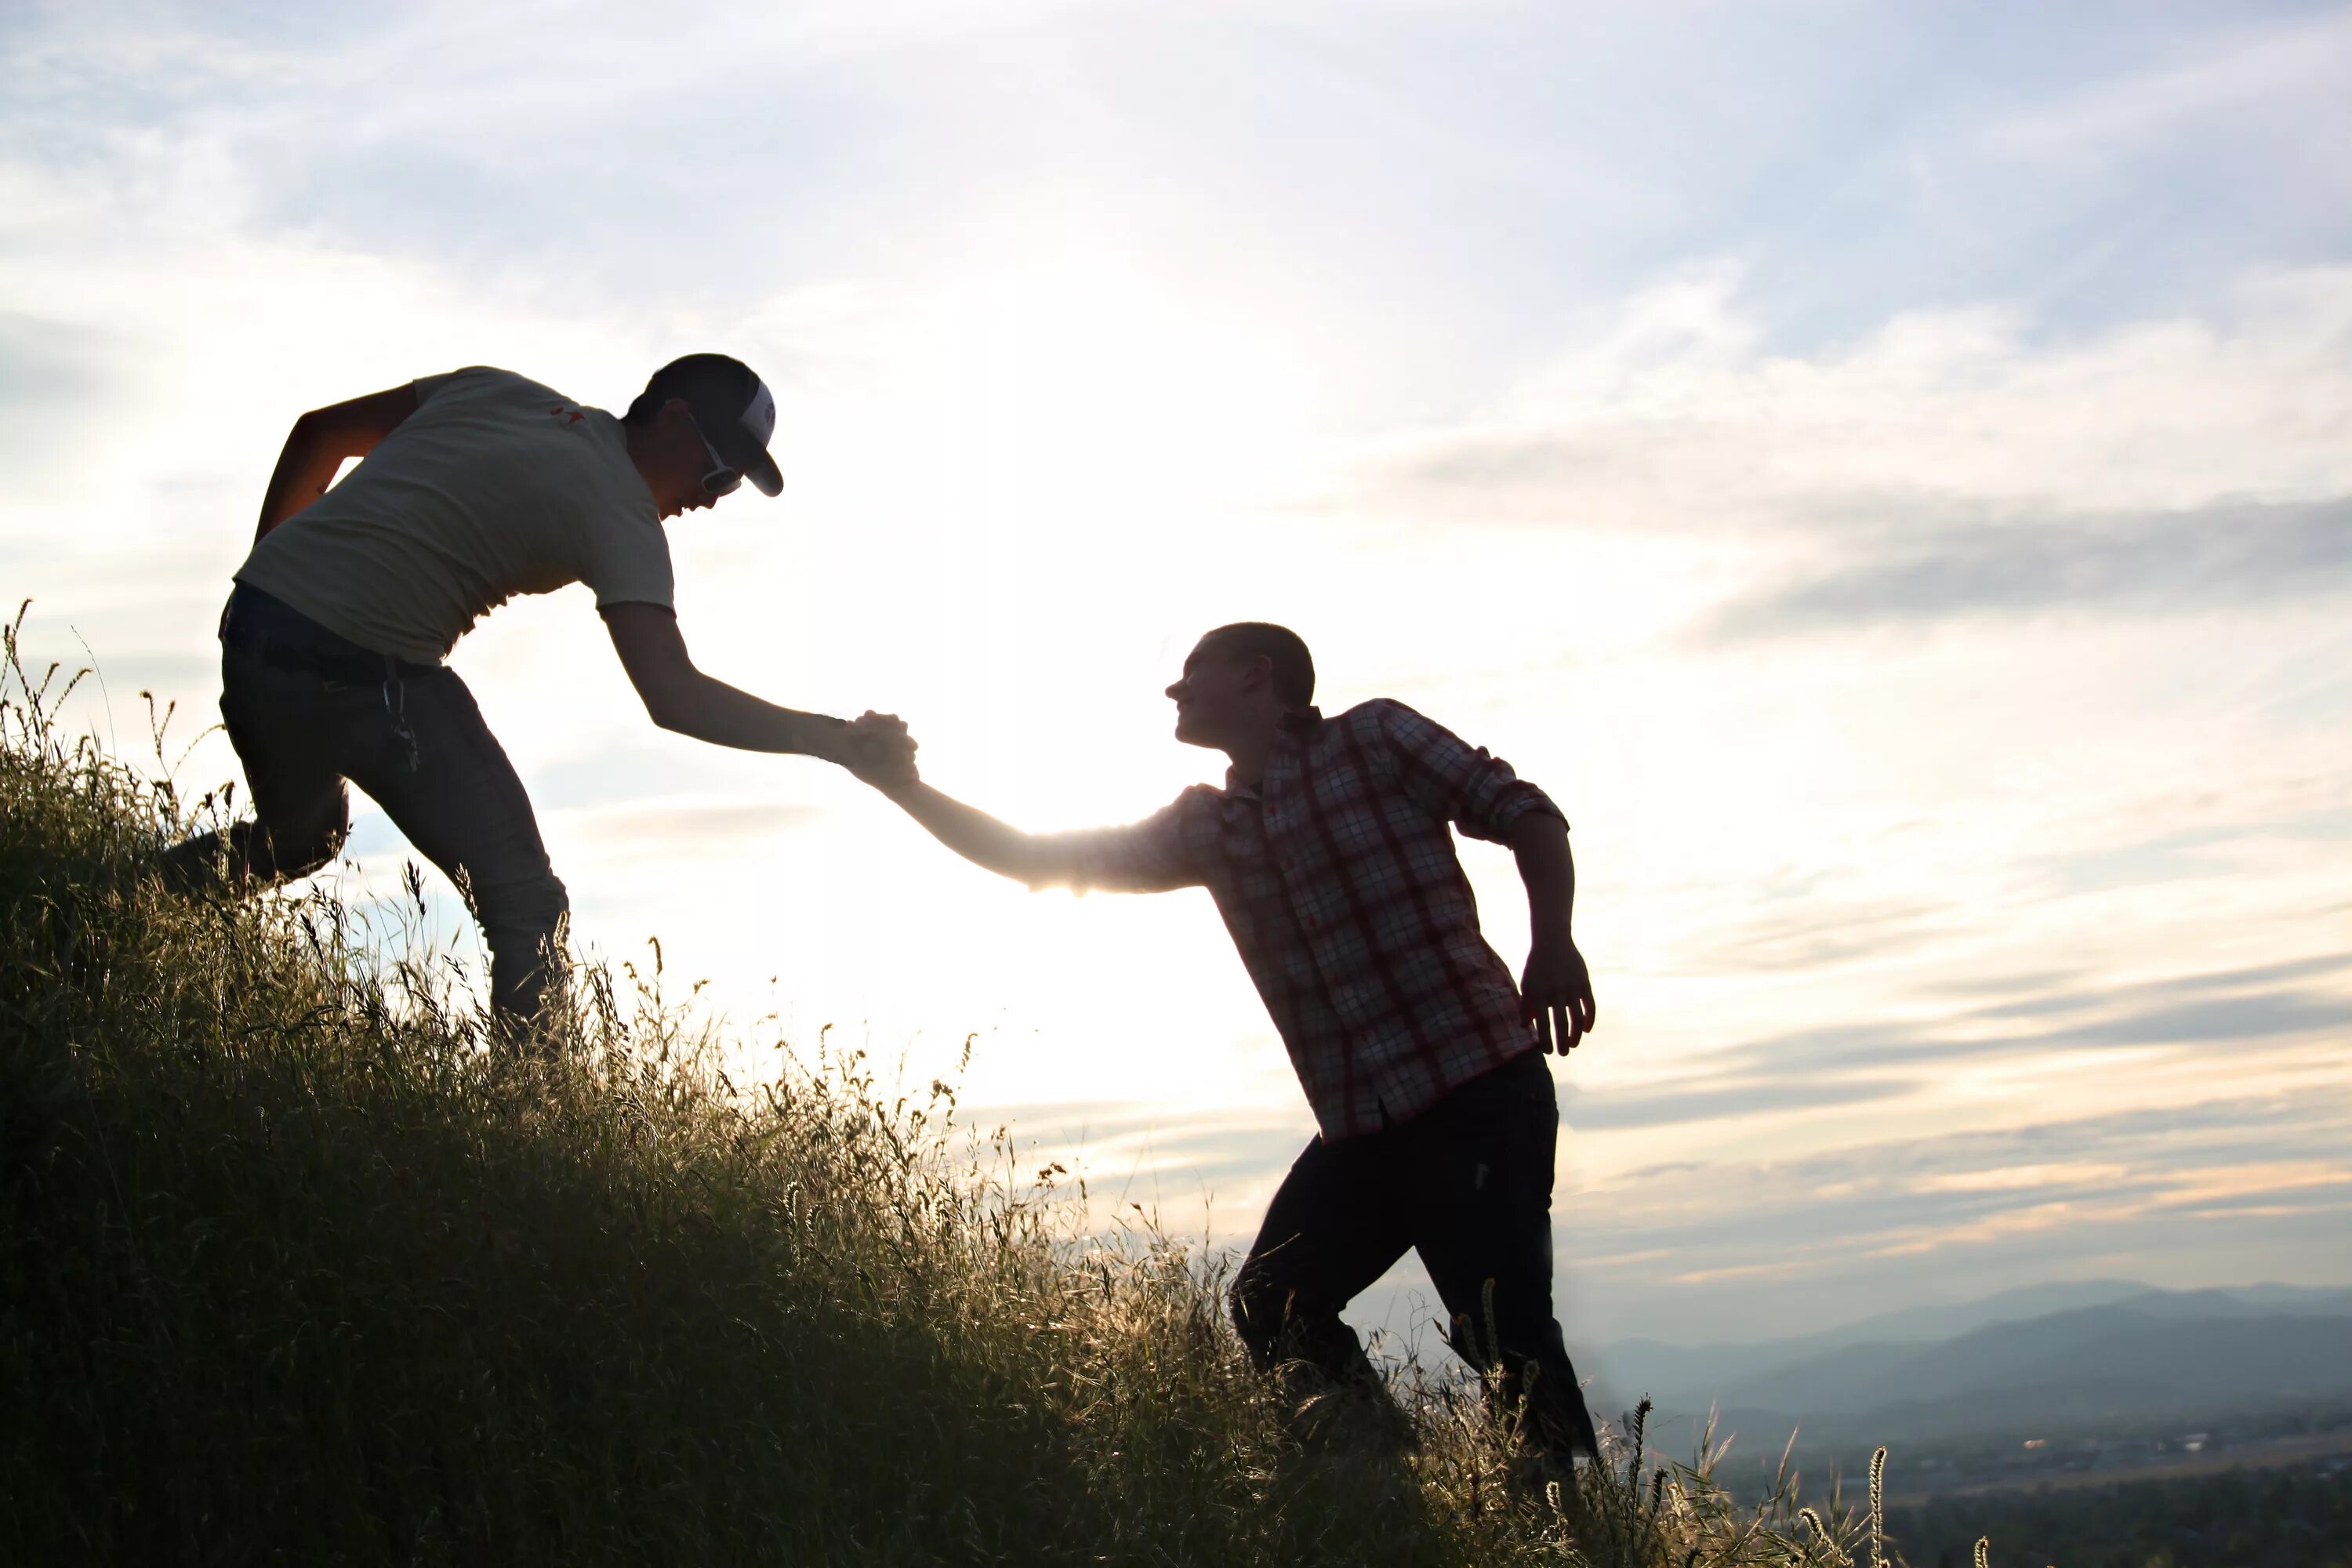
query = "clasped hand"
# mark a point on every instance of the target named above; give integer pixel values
(876, 749)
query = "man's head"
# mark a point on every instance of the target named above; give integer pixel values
(700, 429)
(1239, 680)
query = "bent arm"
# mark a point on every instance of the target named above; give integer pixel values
(680, 698)
(318, 443)
(1556, 991)
(1539, 840)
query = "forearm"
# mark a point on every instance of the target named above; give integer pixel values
(306, 466)
(710, 710)
(1540, 842)
(973, 834)
(320, 442)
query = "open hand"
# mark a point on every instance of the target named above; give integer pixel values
(876, 749)
(1556, 994)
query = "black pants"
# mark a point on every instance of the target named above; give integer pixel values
(307, 711)
(1468, 1184)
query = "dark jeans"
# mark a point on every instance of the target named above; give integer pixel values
(307, 711)
(1468, 1184)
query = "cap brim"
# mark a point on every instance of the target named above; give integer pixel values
(744, 448)
(761, 470)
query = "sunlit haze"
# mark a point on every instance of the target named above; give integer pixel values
(1885, 472)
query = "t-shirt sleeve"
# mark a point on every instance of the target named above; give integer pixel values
(627, 561)
(1153, 856)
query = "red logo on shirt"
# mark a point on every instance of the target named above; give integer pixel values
(569, 415)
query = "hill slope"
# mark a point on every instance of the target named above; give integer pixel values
(293, 1268)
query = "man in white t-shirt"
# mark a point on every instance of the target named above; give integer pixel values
(474, 487)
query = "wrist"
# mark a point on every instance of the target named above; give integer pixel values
(826, 740)
(1551, 930)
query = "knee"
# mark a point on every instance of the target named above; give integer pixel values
(299, 854)
(279, 849)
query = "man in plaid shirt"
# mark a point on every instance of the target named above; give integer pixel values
(1329, 856)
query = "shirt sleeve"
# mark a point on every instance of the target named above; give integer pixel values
(627, 561)
(1153, 856)
(1449, 777)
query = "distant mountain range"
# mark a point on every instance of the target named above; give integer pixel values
(2072, 1355)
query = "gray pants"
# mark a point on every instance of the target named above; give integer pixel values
(303, 732)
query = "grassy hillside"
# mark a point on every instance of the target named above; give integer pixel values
(292, 1270)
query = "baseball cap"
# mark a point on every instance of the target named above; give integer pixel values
(733, 408)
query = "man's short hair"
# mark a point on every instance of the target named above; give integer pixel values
(1293, 667)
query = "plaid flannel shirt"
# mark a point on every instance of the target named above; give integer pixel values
(1338, 880)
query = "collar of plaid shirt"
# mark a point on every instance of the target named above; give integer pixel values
(1299, 721)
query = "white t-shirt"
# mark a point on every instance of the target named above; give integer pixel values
(496, 485)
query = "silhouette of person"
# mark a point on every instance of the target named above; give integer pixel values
(473, 487)
(1328, 855)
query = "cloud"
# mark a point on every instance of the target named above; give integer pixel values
(2069, 993)
(1668, 417)
(2256, 1016)
(2141, 1190)
(1883, 1063)
(2206, 559)
(2227, 75)
(53, 376)
(1899, 1062)
(1831, 933)
(1753, 1095)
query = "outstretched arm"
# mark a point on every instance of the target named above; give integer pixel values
(1556, 992)
(1147, 856)
(983, 840)
(320, 442)
(680, 698)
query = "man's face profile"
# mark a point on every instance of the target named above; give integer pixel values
(677, 459)
(1208, 694)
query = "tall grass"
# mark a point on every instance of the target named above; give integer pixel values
(294, 1269)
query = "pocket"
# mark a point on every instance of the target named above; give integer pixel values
(1525, 1117)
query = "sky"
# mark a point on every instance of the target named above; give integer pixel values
(1886, 470)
